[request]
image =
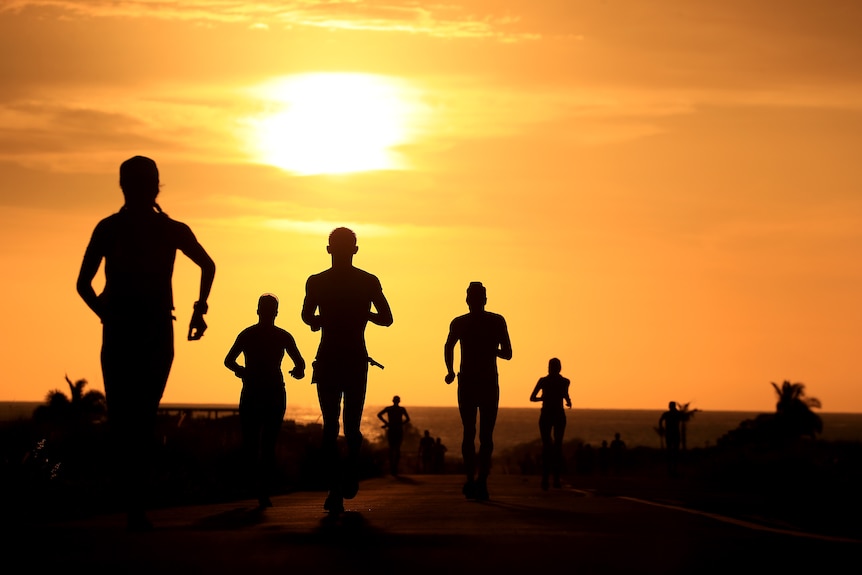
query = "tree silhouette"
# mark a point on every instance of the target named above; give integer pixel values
(685, 416)
(76, 408)
(793, 418)
(793, 411)
(70, 435)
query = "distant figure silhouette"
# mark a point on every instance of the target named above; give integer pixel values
(604, 456)
(339, 301)
(394, 422)
(426, 453)
(439, 456)
(484, 337)
(263, 400)
(618, 447)
(670, 427)
(554, 389)
(139, 245)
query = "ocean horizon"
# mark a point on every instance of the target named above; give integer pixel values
(519, 425)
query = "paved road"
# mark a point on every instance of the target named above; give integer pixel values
(423, 525)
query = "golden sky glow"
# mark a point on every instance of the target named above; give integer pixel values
(331, 123)
(664, 195)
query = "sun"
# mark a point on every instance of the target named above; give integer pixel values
(333, 123)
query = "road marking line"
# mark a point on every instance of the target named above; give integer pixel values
(746, 524)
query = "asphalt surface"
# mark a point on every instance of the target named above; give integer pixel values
(422, 524)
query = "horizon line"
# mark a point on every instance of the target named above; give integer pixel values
(233, 405)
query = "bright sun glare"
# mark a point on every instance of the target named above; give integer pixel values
(333, 123)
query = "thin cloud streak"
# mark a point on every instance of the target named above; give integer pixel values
(439, 21)
(89, 126)
(253, 218)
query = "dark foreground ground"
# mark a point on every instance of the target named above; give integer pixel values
(422, 524)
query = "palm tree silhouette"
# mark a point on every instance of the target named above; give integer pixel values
(685, 416)
(793, 410)
(78, 407)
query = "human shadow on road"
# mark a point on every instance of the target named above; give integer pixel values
(237, 518)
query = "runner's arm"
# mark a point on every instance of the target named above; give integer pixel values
(298, 371)
(535, 395)
(505, 349)
(89, 268)
(196, 252)
(449, 353)
(231, 357)
(309, 307)
(383, 314)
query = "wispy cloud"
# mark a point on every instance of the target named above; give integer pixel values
(321, 227)
(86, 129)
(435, 20)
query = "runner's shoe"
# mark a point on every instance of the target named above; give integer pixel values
(350, 487)
(469, 489)
(482, 491)
(334, 504)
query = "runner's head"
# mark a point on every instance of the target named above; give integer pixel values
(267, 306)
(554, 366)
(139, 180)
(476, 296)
(342, 242)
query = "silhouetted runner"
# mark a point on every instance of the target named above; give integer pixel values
(484, 337)
(669, 425)
(339, 301)
(425, 458)
(554, 390)
(139, 245)
(263, 399)
(394, 422)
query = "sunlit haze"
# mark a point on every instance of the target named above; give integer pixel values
(332, 123)
(663, 195)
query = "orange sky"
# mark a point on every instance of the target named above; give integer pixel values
(664, 195)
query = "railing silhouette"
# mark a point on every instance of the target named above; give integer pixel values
(187, 412)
